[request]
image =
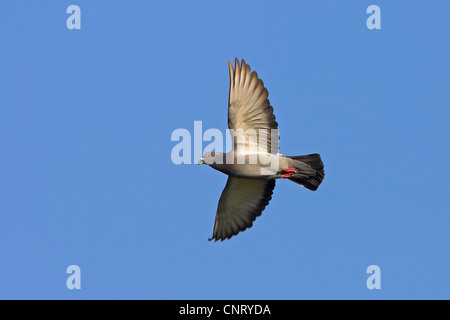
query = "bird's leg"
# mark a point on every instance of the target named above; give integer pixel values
(289, 173)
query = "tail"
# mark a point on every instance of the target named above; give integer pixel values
(310, 171)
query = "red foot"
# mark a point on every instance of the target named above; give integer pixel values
(289, 174)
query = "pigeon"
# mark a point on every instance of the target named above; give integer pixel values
(254, 163)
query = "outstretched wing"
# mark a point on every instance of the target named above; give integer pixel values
(249, 111)
(241, 202)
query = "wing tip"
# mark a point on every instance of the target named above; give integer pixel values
(230, 65)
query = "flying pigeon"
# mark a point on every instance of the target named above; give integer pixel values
(254, 163)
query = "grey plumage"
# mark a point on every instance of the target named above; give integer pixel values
(254, 163)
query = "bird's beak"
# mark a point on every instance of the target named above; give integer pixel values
(202, 161)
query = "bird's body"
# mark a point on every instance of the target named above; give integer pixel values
(262, 166)
(249, 165)
(254, 163)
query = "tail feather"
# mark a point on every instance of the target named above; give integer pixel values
(310, 179)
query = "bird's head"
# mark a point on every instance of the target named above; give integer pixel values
(211, 158)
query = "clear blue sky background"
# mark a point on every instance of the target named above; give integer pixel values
(86, 176)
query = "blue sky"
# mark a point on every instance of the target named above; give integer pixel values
(86, 176)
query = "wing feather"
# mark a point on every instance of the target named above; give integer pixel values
(241, 202)
(249, 108)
